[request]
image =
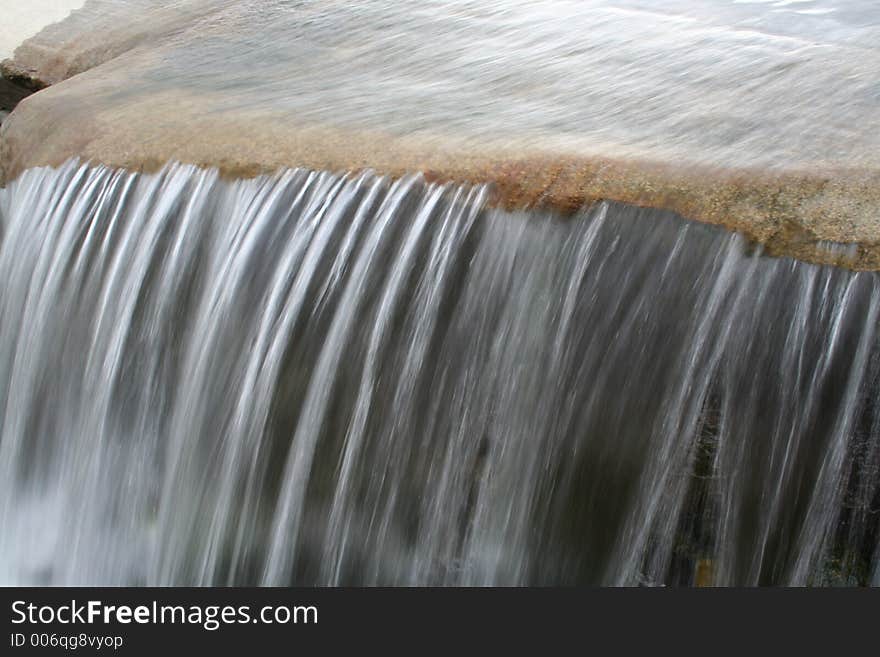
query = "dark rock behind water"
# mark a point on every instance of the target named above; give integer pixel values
(317, 378)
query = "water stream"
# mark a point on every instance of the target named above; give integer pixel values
(317, 378)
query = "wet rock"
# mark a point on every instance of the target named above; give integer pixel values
(756, 137)
(13, 87)
(23, 80)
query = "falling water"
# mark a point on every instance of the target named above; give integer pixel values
(344, 379)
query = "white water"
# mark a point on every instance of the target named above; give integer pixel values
(22, 19)
(316, 378)
(788, 86)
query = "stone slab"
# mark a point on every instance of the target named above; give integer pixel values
(762, 117)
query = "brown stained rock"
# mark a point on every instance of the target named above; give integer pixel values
(25, 78)
(793, 214)
(125, 108)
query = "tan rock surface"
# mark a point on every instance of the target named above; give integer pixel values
(727, 118)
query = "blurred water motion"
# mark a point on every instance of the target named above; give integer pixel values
(308, 377)
(781, 85)
(317, 378)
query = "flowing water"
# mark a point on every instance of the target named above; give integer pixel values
(787, 85)
(344, 379)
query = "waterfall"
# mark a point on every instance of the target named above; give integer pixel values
(320, 378)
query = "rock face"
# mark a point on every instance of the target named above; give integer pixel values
(762, 121)
(11, 94)
(18, 23)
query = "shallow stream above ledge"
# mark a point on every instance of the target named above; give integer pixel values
(761, 117)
